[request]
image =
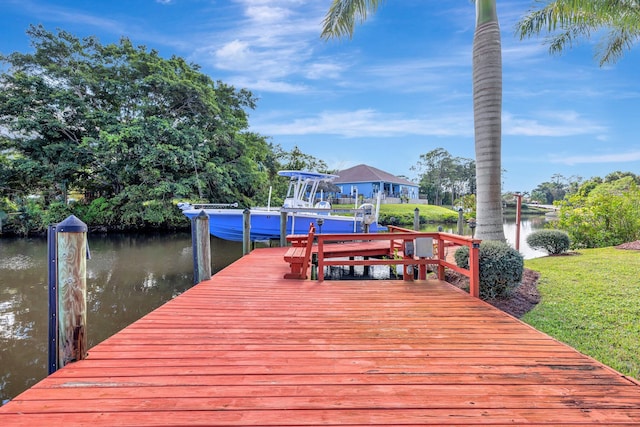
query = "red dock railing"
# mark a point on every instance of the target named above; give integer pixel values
(406, 248)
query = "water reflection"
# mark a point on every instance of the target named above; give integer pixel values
(527, 226)
(128, 276)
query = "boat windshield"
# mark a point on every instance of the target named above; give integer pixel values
(303, 187)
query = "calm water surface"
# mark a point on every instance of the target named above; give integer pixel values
(128, 276)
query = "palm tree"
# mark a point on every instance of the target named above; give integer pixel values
(487, 100)
(568, 20)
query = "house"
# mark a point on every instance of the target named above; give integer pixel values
(367, 181)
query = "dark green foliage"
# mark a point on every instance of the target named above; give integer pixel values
(554, 242)
(501, 268)
(125, 125)
(25, 219)
(56, 212)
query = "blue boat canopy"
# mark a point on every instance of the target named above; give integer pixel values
(308, 175)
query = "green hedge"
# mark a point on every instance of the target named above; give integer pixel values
(501, 268)
(554, 242)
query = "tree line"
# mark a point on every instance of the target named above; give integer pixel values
(126, 133)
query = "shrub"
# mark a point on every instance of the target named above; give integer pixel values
(55, 213)
(101, 211)
(27, 219)
(554, 242)
(501, 268)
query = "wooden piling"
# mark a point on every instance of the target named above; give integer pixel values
(460, 222)
(283, 229)
(416, 219)
(201, 243)
(71, 249)
(246, 232)
(474, 269)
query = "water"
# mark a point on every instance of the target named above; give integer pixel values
(128, 276)
(527, 226)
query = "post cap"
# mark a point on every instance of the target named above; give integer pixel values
(72, 225)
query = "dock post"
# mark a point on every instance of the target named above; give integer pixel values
(416, 219)
(474, 269)
(283, 229)
(460, 222)
(68, 258)
(246, 232)
(201, 243)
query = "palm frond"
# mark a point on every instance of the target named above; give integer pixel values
(567, 21)
(343, 15)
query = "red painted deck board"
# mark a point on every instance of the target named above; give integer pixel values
(250, 348)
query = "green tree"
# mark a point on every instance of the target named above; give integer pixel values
(487, 100)
(557, 189)
(601, 215)
(297, 160)
(443, 178)
(123, 123)
(566, 21)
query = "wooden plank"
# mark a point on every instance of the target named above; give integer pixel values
(250, 348)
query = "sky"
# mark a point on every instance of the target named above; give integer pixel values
(400, 88)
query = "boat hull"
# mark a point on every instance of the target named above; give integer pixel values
(227, 224)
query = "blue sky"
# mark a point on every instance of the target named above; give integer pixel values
(400, 88)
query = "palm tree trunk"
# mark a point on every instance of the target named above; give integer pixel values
(487, 108)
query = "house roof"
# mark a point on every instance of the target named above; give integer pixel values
(364, 173)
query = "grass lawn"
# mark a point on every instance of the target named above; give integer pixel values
(591, 301)
(404, 212)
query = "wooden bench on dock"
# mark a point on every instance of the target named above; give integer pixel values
(299, 255)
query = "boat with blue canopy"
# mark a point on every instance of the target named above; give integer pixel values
(303, 207)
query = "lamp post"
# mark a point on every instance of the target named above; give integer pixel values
(518, 197)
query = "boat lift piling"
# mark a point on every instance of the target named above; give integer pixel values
(283, 228)
(67, 276)
(201, 244)
(246, 231)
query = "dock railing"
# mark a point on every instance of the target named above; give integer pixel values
(407, 248)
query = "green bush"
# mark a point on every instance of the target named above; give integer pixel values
(101, 212)
(55, 213)
(501, 268)
(26, 220)
(601, 215)
(554, 242)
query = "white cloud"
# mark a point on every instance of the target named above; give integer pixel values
(375, 124)
(630, 156)
(42, 11)
(369, 123)
(266, 85)
(267, 14)
(234, 55)
(324, 70)
(550, 124)
(273, 42)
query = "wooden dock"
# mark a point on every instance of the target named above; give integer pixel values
(248, 348)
